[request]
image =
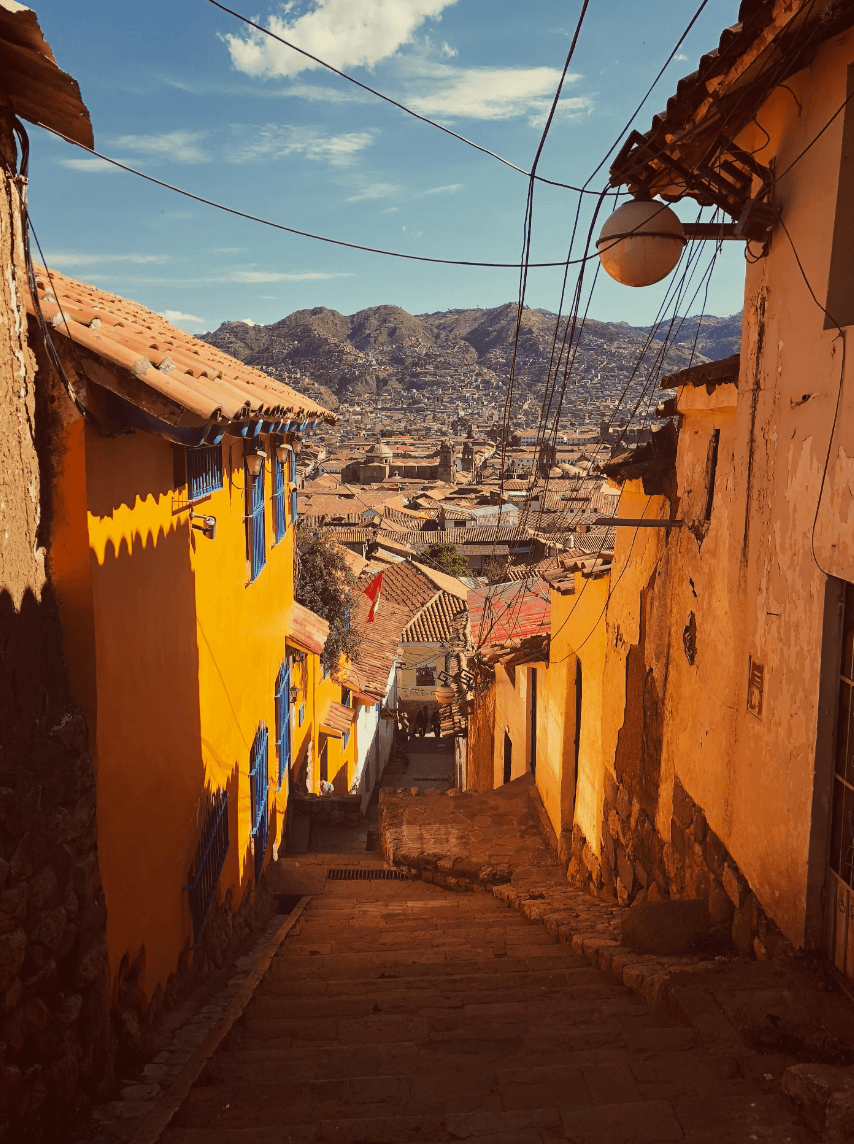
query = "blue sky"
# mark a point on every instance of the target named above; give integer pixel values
(184, 92)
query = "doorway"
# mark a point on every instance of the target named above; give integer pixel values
(508, 757)
(839, 917)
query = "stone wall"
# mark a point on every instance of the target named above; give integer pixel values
(635, 864)
(328, 809)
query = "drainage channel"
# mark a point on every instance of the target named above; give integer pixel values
(364, 874)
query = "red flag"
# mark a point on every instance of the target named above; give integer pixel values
(373, 593)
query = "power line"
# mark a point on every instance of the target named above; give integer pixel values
(306, 233)
(396, 103)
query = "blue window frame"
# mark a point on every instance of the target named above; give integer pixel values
(258, 783)
(346, 699)
(255, 538)
(293, 467)
(278, 499)
(283, 718)
(204, 471)
(293, 507)
(208, 863)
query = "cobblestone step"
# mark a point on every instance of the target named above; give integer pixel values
(392, 1017)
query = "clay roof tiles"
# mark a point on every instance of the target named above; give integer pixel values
(192, 376)
(307, 630)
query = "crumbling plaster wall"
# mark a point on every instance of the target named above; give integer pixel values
(741, 814)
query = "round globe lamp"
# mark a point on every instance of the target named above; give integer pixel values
(444, 694)
(641, 242)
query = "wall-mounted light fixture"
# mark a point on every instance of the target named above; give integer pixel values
(294, 694)
(641, 242)
(282, 452)
(297, 446)
(255, 457)
(206, 524)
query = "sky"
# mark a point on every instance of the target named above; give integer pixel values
(188, 94)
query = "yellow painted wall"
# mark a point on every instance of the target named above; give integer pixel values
(596, 625)
(179, 673)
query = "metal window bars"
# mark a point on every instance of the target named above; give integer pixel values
(208, 863)
(283, 718)
(258, 785)
(204, 471)
(256, 540)
(293, 507)
(278, 499)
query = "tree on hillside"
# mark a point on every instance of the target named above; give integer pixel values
(446, 558)
(324, 584)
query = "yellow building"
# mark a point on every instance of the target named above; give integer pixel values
(701, 678)
(172, 556)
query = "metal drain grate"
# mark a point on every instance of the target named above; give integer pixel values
(364, 874)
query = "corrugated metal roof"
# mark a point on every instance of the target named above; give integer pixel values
(502, 612)
(164, 371)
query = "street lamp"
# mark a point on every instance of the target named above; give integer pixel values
(641, 242)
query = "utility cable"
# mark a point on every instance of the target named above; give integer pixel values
(396, 103)
(309, 234)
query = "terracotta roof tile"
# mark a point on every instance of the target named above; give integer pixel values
(191, 375)
(308, 631)
(337, 719)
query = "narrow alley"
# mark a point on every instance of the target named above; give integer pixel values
(396, 1012)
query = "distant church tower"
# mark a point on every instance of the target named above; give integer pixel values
(468, 456)
(446, 462)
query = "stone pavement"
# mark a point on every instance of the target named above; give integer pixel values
(397, 1013)
(771, 1015)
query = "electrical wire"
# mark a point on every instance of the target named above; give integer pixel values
(396, 103)
(840, 334)
(309, 234)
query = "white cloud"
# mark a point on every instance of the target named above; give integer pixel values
(179, 146)
(278, 141)
(490, 93)
(448, 189)
(345, 33)
(375, 191)
(248, 322)
(91, 166)
(175, 316)
(681, 57)
(270, 276)
(71, 258)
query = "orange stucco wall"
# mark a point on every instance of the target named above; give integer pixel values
(174, 656)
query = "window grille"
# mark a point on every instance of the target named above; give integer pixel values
(425, 675)
(258, 784)
(293, 507)
(283, 718)
(293, 468)
(255, 538)
(278, 499)
(204, 471)
(208, 863)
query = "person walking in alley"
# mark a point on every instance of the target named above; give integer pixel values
(421, 722)
(403, 724)
(436, 723)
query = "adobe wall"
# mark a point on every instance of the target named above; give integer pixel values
(55, 1051)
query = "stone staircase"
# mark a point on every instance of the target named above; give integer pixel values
(397, 1013)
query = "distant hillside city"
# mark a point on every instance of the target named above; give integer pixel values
(387, 372)
(421, 453)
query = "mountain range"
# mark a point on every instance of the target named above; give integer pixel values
(338, 358)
